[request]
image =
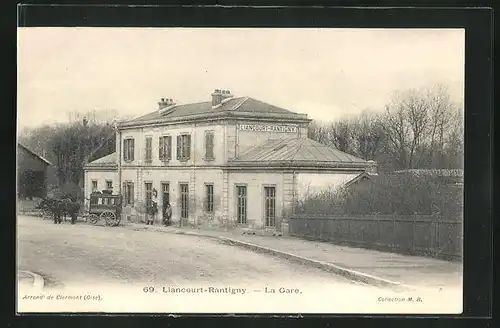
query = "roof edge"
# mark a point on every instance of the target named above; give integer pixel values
(302, 164)
(295, 118)
(32, 152)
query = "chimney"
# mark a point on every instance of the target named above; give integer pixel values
(218, 97)
(165, 102)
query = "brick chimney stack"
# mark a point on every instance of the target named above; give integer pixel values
(218, 97)
(165, 103)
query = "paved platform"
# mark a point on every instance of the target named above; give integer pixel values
(404, 269)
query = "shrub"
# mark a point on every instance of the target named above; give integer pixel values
(402, 194)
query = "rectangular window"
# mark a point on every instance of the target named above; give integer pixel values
(165, 148)
(149, 150)
(209, 194)
(128, 193)
(128, 150)
(149, 193)
(270, 206)
(183, 147)
(166, 193)
(184, 200)
(209, 145)
(109, 184)
(94, 185)
(241, 204)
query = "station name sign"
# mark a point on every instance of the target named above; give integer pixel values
(268, 128)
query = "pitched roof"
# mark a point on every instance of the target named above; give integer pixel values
(35, 154)
(239, 105)
(298, 151)
(364, 175)
(108, 160)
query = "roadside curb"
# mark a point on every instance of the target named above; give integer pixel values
(329, 267)
(350, 274)
(38, 281)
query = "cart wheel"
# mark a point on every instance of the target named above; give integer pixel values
(109, 217)
(93, 218)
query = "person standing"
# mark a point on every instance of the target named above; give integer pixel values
(153, 210)
(167, 214)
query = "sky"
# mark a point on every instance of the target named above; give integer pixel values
(325, 73)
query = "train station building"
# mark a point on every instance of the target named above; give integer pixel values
(230, 161)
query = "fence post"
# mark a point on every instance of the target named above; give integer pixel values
(437, 236)
(378, 230)
(349, 237)
(394, 230)
(321, 229)
(414, 233)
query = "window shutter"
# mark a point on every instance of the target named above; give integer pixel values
(188, 146)
(179, 147)
(149, 150)
(211, 142)
(124, 193)
(125, 150)
(132, 193)
(207, 136)
(161, 154)
(168, 152)
(132, 151)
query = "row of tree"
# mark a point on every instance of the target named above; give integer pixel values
(70, 145)
(419, 129)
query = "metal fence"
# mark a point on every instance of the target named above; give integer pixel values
(431, 236)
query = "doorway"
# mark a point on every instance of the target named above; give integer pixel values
(165, 199)
(270, 206)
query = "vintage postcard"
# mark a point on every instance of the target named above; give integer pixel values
(242, 170)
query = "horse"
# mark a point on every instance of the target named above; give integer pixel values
(61, 208)
(70, 207)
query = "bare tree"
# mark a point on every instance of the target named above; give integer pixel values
(440, 119)
(317, 131)
(397, 130)
(416, 107)
(367, 134)
(340, 135)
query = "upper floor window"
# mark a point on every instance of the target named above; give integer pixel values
(209, 145)
(165, 148)
(183, 147)
(149, 150)
(109, 184)
(128, 149)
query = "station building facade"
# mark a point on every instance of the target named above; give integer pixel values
(231, 161)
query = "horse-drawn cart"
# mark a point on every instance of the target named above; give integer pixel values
(107, 207)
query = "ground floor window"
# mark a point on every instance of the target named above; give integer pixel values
(270, 206)
(149, 193)
(94, 185)
(209, 198)
(128, 193)
(165, 187)
(241, 204)
(184, 200)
